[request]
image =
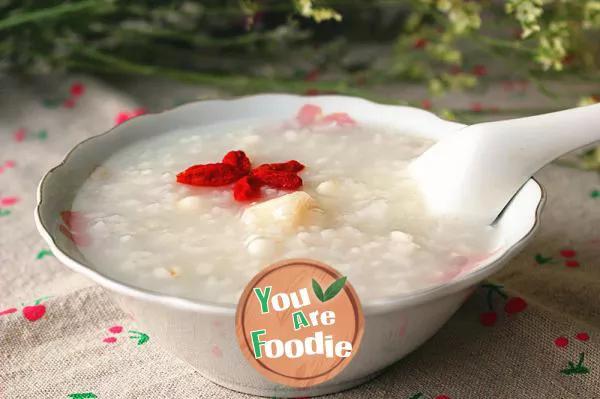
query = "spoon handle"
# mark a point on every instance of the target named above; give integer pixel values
(481, 167)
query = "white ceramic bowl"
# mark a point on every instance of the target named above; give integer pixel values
(203, 333)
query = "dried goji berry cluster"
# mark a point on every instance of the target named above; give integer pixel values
(236, 168)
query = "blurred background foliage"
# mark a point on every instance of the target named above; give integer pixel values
(246, 46)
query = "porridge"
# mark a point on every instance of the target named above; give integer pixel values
(337, 194)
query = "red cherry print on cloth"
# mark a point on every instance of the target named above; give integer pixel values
(35, 312)
(8, 311)
(216, 351)
(7, 165)
(20, 135)
(113, 330)
(571, 263)
(77, 89)
(568, 253)
(116, 329)
(561, 342)
(583, 336)
(515, 305)
(442, 397)
(488, 319)
(8, 201)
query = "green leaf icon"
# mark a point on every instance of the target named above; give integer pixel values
(140, 337)
(83, 395)
(330, 292)
(334, 288)
(318, 290)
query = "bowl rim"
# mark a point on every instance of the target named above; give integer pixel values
(377, 307)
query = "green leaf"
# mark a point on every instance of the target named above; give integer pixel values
(418, 395)
(140, 337)
(541, 260)
(335, 288)
(83, 395)
(318, 290)
(43, 253)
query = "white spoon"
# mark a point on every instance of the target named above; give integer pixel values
(476, 171)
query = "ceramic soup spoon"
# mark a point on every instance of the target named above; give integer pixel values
(477, 170)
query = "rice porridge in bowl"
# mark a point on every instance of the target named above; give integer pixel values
(198, 214)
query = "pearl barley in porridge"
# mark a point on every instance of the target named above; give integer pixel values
(356, 210)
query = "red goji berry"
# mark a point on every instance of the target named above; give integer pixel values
(236, 168)
(247, 189)
(210, 175)
(275, 179)
(238, 159)
(289, 166)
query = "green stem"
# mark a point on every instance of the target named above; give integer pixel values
(205, 41)
(493, 42)
(490, 301)
(283, 6)
(52, 12)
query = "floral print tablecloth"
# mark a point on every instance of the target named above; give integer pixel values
(532, 331)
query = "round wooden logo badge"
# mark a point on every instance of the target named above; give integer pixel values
(299, 322)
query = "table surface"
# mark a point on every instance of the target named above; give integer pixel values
(73, 343)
